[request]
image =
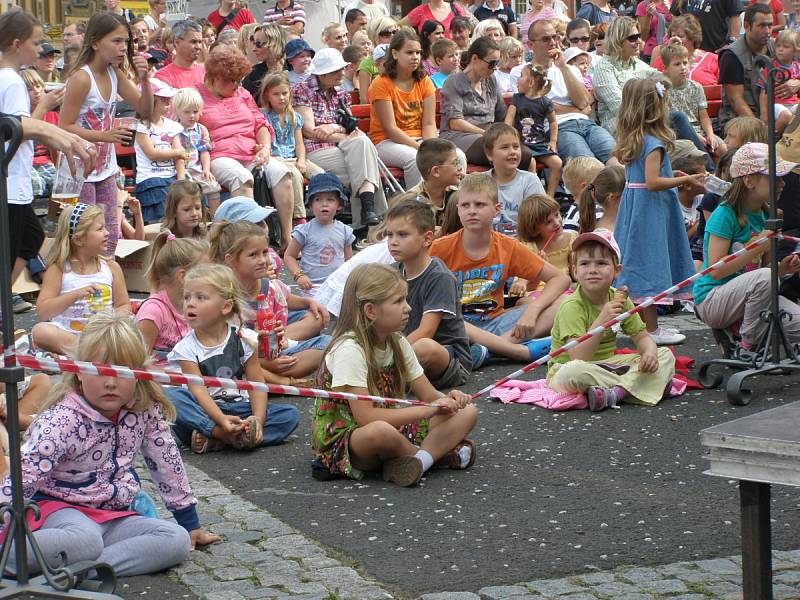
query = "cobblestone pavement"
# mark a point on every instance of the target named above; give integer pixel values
(261, 557)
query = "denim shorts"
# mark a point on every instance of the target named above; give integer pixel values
(502, 323)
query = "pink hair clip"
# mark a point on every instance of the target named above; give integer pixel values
(171, 236)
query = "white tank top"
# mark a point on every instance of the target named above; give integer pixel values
(97, 114)
(74, 318)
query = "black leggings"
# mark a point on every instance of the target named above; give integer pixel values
(476, 155)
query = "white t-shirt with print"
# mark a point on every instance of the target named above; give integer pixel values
(14, 100)
(161, 138)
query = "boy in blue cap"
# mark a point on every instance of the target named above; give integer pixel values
(325, 243)
(298, 57)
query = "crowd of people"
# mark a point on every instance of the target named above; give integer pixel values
(597, 179)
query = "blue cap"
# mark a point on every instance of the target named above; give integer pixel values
(325, 182)
(296, 46)
(241, 208)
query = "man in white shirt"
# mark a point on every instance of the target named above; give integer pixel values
(578, 135)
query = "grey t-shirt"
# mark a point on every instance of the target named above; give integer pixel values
(511, 196)
(435, 290)
(323, 247)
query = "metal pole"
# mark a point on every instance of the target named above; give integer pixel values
(10, 373)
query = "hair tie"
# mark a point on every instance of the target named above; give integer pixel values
(171, 237)
(77, 213)
(660, 89)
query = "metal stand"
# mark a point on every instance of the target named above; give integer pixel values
(81, 580)
(767, 356)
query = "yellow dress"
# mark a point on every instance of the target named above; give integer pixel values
(558, 258)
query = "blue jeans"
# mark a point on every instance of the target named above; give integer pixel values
(319, 342)
(684, 131)
(282, 419)
(502, 323)
(584, 137)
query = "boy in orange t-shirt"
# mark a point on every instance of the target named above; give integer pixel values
(482, 259)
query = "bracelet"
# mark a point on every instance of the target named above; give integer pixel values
(300, 273)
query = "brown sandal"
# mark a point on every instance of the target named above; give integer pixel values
(250, 436)
(201, 444)
(452, 460)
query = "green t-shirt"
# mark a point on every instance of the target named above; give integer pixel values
(575, 317)
(724, 224)
(368, 65)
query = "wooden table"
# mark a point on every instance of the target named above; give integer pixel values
(759, 450)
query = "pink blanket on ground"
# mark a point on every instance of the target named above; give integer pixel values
(539, 393)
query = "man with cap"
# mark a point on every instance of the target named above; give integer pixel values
(298, 57)
(46, 63)
(332, 143)
(185, 71)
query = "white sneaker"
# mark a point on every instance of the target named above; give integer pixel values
(664, 337)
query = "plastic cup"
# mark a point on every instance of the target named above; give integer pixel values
(127, 123)
(66, 186)
(715, 185)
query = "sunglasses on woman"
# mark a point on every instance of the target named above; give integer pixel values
(635, 37)
(257, 44)
(387, 32)
(492, 64)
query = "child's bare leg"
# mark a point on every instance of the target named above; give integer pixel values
(213, 203)
(783, 121)
(52, 338)
(33, 399)
(554, 164)
(433, 357)
(3, 450)
(447, 431)
(272, 377)
(377, 442)
(308, 361)
(533, 166)
(304, 329)
(284, 203)
(650, 317)
(497, 344)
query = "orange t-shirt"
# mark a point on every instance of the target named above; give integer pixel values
(407, 106)
(481, 282)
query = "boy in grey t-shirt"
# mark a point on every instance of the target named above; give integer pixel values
(435, 327)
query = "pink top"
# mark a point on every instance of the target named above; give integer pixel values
(232, 123)
(529, 18)
(641, 11)
(423, 13)
(178, 77)
(171, 324)
(704, 70)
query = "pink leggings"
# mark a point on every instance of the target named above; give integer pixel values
(104, 194)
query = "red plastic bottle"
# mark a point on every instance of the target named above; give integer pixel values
(264, 324)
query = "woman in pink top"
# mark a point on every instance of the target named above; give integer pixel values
(652, 15)
(240, 135)
(703, 66)
(436, 10)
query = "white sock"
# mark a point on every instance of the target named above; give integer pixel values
(464, 454)
(426, 458)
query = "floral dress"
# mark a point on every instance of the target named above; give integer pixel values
(333, 423)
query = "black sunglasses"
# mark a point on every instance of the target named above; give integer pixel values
(635, 37)
(577, 40)
(492, 64)
(257, 44)
(387, 32)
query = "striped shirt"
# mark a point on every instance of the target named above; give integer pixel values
(295, 11)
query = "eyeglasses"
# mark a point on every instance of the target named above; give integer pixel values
(257, 44)
(578, 40)
(547, 39)
(492, 64)
(634, 37)
(387, 32)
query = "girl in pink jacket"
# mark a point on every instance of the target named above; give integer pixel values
(78, 457)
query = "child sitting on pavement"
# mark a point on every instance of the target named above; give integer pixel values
(591, 367)
(435, 328)
(482, 260)
(502, 146)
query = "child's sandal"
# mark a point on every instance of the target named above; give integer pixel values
(452, 460)
(201, 444)
(249, 437)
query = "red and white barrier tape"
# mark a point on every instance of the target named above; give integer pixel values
(649, 302)
(173, 378)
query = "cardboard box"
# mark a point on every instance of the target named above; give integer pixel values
(133, 256)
